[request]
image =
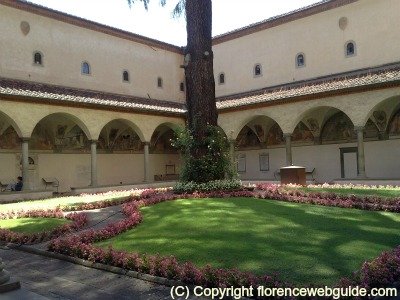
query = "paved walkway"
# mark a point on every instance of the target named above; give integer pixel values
(46, 278)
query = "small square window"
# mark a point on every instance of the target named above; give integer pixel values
(182, 87)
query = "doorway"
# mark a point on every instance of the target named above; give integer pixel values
(348, 162)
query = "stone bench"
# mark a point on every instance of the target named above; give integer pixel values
(51, 181)
(5, 183)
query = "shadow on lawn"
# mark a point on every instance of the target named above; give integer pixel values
(32, 225)
(303, 243)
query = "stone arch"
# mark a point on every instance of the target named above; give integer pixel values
(337, 127)
(233, 133)
(383, 112)
(128, 123)
(10, 133)
(120, 135)
(59, 131)
(303, 133)
(78, 122)
(161, 139)
(393, 127)
(314, 117)
(259, 131)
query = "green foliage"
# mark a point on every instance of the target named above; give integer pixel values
(205, 159)
(177, 12)
(216, 185)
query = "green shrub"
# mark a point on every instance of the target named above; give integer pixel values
(216, 185)
(205, 160)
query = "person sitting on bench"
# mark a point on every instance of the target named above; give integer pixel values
(18, 186)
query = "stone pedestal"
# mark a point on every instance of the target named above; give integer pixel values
(6, 284)
(293, 175)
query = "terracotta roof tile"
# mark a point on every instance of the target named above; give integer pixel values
(329, 84)
(53, 93)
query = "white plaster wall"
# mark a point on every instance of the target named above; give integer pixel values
(277, 159)
(371, 24)
(324, 158)
(65, 47)
(382, 160)
(7, 166)
(72, 170)
(116, 168)
(158, 162)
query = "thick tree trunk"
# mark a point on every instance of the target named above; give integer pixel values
(199, 73)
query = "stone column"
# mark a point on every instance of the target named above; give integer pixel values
(146, 162)
(25, 164)
(288, 141)
(232, 143)
(93, 163)
(360, 151)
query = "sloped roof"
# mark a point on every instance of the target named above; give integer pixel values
(359, 80)
(53, 94)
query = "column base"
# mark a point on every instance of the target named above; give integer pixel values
(10, 286)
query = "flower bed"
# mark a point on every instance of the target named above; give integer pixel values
(78, 221)
(373, 203)
(380, 272)
(80, 246)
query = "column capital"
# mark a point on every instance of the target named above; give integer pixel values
(286, 135)
(25, 139)
(146, 143)
(232, 141)
(94, 141)
(359, 128)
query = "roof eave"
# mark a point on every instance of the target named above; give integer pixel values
(313, 96)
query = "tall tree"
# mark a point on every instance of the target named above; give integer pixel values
(200, 85)
(199, 72)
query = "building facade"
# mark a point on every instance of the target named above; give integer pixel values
(93, 105)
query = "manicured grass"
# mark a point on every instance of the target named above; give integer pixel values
(61, 201)
(304, 243)
(389, 193)
(32, 225)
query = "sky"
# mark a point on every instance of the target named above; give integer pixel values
(158, 22)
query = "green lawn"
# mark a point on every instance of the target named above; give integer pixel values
(61, 201)
(389, 193)
(304, 243)
(32, 225)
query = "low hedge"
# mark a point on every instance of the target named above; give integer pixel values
(217, 185)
